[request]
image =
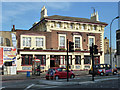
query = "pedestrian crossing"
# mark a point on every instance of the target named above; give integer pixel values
(39, 86)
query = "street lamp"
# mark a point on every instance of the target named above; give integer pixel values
(110, 39)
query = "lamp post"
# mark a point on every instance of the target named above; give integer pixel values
(110, 39)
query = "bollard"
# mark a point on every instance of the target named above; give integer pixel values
(28, 73)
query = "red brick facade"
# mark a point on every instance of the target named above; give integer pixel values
(52, 38)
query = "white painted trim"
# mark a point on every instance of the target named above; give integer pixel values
(33, 39)
(88, 40)
(81, 47)
(59, 40)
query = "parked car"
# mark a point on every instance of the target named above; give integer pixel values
(103, 69)
(58, 72)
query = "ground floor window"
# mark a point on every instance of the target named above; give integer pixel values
(42, 59)
(77, 59)
(27, 59)
(87, 59)
(96, 60)
(61, 59)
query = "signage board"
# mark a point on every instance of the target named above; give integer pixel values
(1, 56)
(9, 54)
(14, 42)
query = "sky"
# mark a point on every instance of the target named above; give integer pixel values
(24, 14)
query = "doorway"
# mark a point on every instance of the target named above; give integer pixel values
(52, 63)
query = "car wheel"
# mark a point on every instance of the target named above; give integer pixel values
(114, 73)
(56, 77)
(101, 74)
(47, 78)
(72, 76)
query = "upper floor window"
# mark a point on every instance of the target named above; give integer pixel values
(91, 40)
(62, 42)
(83, 27)
(39, 42)
(77, 42)
(71, 26)
(94, 27)
(58, 25)
(27, 41)
(1, 40)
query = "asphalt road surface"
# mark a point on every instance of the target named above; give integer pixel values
(34, 84)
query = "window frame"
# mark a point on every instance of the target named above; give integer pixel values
(81, 47)
(62, 35)
(89, 37)
(79, 61)
(89, 60)
(58, 25)
(26, 42)
(25, 59)
(39, 41)
(83, 27)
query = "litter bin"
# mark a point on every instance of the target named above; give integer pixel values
(28, 74)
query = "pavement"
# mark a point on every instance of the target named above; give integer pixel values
(42, 76)
(82, 77)
(79, 80)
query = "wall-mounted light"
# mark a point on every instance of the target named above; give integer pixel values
(48, 57)
(83, 58)
(73, 58)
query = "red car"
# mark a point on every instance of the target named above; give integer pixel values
(58, 72)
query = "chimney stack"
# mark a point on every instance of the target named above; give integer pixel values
(13, 29)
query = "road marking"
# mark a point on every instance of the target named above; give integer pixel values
(105, 79)
(51, 87)
(2, 88)
(29, 86)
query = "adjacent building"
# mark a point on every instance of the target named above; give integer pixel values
(8, 52)
(46, 40)
(106, 46)
(118, 47)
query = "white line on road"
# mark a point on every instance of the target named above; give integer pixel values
(105, 79)
(29, 86)
(2, 88)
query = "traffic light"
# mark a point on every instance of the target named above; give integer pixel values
(91, 50)
(71, 46)
(95, 49)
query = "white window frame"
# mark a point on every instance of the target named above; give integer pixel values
(83, 27)
(63, 35)
(38, 42)
(26, 41)
(81, 47)
(93, 41)
(94, 27)
(33, 39)
(58, 25)
(71, 26)
(62, 60)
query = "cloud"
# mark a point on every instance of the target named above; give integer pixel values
(13, 10)
(61, 5)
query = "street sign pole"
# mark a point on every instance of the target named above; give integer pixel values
(67, 61)
(92, 63)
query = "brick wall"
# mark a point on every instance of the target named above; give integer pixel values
(52, 37)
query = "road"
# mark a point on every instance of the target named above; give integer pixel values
(34, 84)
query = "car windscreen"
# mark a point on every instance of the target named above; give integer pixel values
(104, 66)
(49, 70)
